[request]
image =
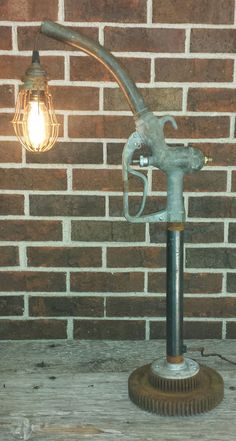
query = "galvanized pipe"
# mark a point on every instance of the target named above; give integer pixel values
(66, 35)
(174, 310)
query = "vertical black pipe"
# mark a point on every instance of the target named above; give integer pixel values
(174, 313)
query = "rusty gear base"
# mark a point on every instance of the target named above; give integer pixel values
(184, 397)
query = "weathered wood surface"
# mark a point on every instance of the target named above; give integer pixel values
(69, 391)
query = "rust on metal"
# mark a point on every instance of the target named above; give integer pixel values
(175, 226)
(172, 397)
(175, 359)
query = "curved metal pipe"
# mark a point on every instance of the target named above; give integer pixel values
(66, 35)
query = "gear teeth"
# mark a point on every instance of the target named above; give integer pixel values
(169, 398)
(175, 385)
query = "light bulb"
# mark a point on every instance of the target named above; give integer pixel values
(35, 122)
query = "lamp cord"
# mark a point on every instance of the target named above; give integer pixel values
(211, 354)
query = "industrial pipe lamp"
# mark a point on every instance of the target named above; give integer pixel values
(173, 384)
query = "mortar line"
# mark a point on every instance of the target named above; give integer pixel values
(152, 25)
(26, 306)
(101, 33)
(104, 148)
(61, 10)
(147, 329)
(104, 257)
(14, 37)
(152, 72)
(149, 12)
(67, 67)
(22, 256)
(187, 40)
(224, 329)
(70, 328)
(101, 99)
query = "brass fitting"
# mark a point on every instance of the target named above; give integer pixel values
(208, 159)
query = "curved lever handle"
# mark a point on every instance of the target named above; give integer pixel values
(134, 143)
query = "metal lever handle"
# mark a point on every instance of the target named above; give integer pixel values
(134, 143)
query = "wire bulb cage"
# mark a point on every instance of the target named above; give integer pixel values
(35, 122)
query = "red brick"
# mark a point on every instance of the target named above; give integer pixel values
(114, 153)
(67, 205)
(106, 231)
(210, 307)
(206, 181)
(88, 69)
(213, 40)
(199, 127)
(144, 39)
(11, 305)
(221, 154)
(75, 98)
(69, 153)
(5, 37)
(231, 330)
(100, 126)
(33, 329)
(32, 281)
(157, 329)
(157, 99)
(26, 35)
(233, 180)
(212, 100)
(66, 306)
(211, 258)
(231, 282)
(212, 206)
(131, 257)
(202, 329)
(195, 232)
(6, 127)
(106, 282)
(193, 70)
(152, 205)
(10, 151)
(37, 230)
(109, 329)
(99, 180)
(190, 11)
(194, 283)
(14, 67)
(11, 204)
(203, 181)
(33, 179)
(232, 232)
(26, 10)
(102, 180)
(7, 96)
(64, 256)
(9, 256)
(119, 11)
(197, 329)
(136, 307)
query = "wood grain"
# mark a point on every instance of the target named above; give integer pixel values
(57, 391)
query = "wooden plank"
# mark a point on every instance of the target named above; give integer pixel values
(56, 391)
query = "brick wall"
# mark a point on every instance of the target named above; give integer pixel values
(71, 266)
